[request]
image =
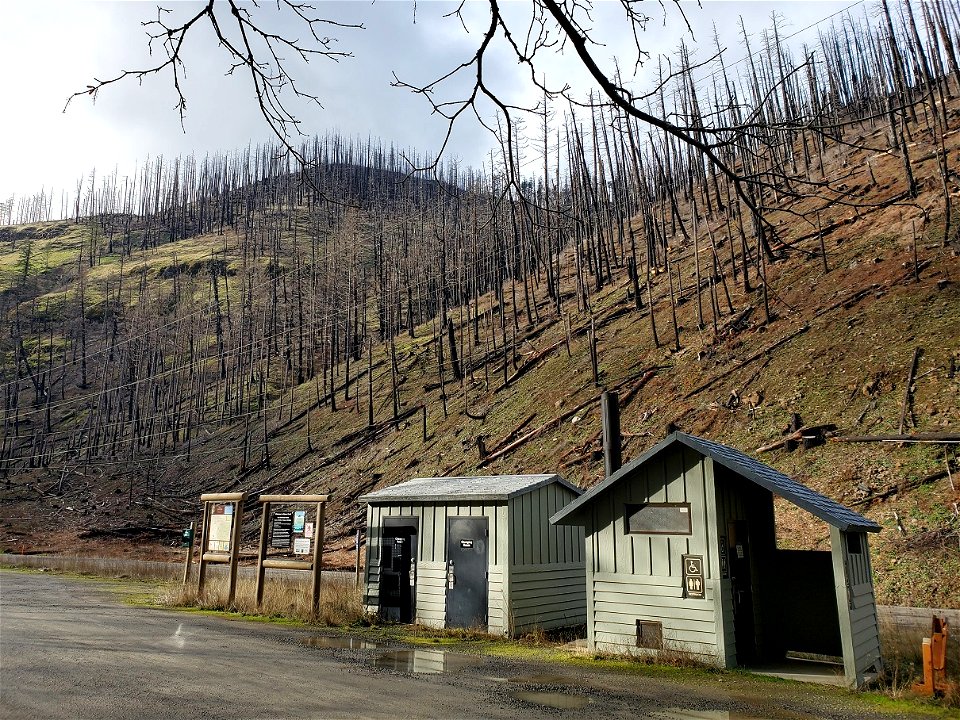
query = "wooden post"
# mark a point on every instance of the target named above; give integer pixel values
(189, 561)
(204, 530)
(235, 548)
(262, 554)
(317, 559)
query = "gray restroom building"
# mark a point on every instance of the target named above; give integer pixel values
(475, 552)
(681, 554)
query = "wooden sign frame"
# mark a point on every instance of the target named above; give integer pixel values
(232, 557)
(315, 566)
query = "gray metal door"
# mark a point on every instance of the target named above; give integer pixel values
(467, 572)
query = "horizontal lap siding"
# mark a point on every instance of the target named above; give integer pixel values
(371, 571)
(728, 629)
(620, 600)
(372, 595)
(864, 626)
(496, 605)
(853, 576)
(548, 596)
(431, 593)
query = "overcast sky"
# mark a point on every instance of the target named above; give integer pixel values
(52, 48)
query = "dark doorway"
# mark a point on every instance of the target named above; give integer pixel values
(467, 572)
(742, 586)
(398, 569)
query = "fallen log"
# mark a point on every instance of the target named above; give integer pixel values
(799, 435)
(898, 488)
(858, 295)
(371, 430)
(905, 406)
(933, 437)
(530, 363)
(509, 447)
(637, 387)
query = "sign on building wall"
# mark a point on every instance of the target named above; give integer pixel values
(693, 584)
(724, 566)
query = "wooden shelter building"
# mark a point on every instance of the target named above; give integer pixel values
(475, 552)
(681, 554)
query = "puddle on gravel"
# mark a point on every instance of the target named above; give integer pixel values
(339, 643)
(551, 699)
(428, 662)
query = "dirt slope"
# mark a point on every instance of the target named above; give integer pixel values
(837, 349)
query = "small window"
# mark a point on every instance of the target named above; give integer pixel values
(855, 543)
(658, 519)
(649, 634)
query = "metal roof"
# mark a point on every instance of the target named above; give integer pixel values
(821, 506)
(477, 488)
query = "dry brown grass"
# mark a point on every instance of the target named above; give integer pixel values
(903, 665)
(283, 597)
(99, 567)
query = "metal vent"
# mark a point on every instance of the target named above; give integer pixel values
(650, 634)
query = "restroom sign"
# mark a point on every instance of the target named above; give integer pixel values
(693, 583)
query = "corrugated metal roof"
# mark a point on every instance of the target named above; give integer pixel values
(827, 509)
(476, 488)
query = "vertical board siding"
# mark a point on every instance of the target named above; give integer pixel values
(534, 540)
(677, 476)
(865, 627)
(853, 579)
(546, 581)
(431, 551)
(371, 570)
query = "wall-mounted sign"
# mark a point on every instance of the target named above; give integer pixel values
(308, 530)
(299, 517)
(724, 567)
(221, 528)
(301, 546)
(281, 530)
(693, 584)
